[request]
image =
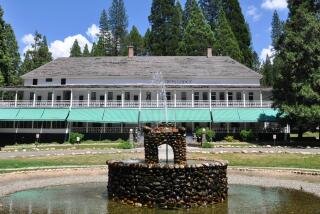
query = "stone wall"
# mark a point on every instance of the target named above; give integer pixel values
(153, 138)
(168, 186)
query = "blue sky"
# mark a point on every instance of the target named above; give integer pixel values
(64, 20)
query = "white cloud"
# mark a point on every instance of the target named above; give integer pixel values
(93, 32)
(267, 51)
(28, 40)
(254, 13)
(60, 48)
(274, 4)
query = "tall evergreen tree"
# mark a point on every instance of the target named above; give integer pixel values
(277, 29)
(267, 72)
(75, 50)
(180, 17)
(147, 43)
(226, 44)
(118, 20)
(104, 45)
(165, 25)
(297, 90)
(93, 49)
(198, 35)
(240, 29)
(38, 55)
(135, 39)
(9, 53)
(189, 6)
(211, 10)
(86, 52)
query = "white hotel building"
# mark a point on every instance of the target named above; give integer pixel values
(105, 97)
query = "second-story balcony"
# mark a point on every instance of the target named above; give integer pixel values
(134, 104)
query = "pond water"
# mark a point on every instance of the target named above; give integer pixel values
(92, 198)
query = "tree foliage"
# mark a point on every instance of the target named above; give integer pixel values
(267, 72)
(75, 50)
(86, 52)
(136, 40)
(277, 29)
(189, 6)
(104, 45)
(211, 10)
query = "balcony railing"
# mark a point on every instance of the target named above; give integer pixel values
(134, 104)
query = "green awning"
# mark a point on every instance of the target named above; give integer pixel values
(89, 115)
(29, 115)
(130, 116)
(228, 115)
(175, 115)
(8, 114)
(250, 115)
(55, 114)
(269, 115)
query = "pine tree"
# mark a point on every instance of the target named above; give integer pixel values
(189, 6)
(226, 44)
(240, 29)
(104, 44)
(256, 62)
(118, 20)
(198, 35)
(180, 18)
(75, 50)
(211, 10)
(86, 52)
(297, 89)
(147, 43)
(93, 49)
(135, 39)
(277, 29)
(4, 58)
(267, 72)
(38, 55)
(165, 25)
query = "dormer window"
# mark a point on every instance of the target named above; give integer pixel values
(63, 81)
(49, 80)
(35, 82)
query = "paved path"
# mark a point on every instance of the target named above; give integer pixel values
(8, 155)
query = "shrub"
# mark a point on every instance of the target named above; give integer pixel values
(73, 137)
(207, 145)
(125, 145)
(229, 138)
(210, 134)
(247, 135)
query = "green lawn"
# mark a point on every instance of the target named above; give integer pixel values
(243, 160)
(306, 134)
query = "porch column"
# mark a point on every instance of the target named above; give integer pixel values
(140, 98)
(122, 99)
(261, 99)
(105, 99)
(192, 98)
(244, 98)
(34, 99)
(16, 99)
(175, 98)
(210, 99)
(157, 99)
(71, 99)
(52, 100)
(88, 104)
(227, 97)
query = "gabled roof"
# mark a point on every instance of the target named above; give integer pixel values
(171, 67)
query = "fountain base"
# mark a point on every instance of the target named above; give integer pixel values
(168, 185)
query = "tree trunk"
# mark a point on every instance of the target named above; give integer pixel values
(300, 134)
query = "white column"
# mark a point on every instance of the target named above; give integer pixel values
(192, 98)
(105, 99)
(34, 99)
(122, 99)
(244, 98)
(175, 98)
(16, 99)
(210, 93)
(157, 99)
(261, 99)
(88, 104)
(52, 100)
(227, 97)
(140, 99)
(71, 99)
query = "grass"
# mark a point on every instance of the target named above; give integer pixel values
(306, 134)
(243, 160)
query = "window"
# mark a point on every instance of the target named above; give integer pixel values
(59, 98)
(196, 96)
(63, 81)
(250, 96)
(50, 96)
(31, 95)
(205, 96)
(49, 80)
(238, 96)
(184, 96)
(148, 96)
(94, 96)
(230, 96)
(168, 96)
(110, 95)
(35, 82)
(221, 96)
(39, 98)
(213, 96)
(127, 96)
(102, 98)
(136, 98)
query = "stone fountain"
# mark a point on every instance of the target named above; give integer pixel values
(167, 185)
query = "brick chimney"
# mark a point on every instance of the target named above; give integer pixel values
(209, 52)
(130, 51)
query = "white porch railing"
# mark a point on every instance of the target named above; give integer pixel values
(101, 130)
(134, 104)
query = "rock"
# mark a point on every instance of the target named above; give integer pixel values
(138, 204)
